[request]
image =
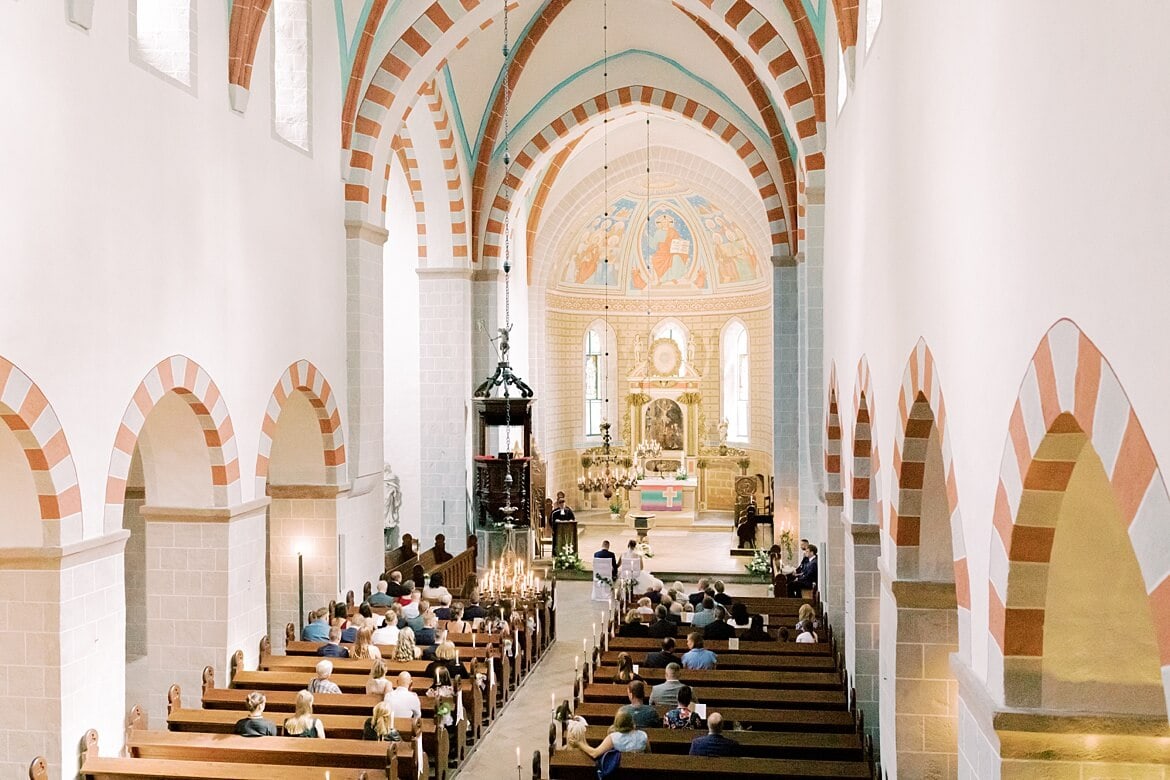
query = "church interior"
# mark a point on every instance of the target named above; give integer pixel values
(356, 290)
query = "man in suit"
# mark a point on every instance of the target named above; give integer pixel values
(605, 552)
(662, 626)
(697, 597)
(807, 577)
(660, 659)
(714, 744)
(561, 513)
(720, 629)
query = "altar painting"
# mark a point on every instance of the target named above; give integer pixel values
(668, 254)
(664, 423)
(587, 265)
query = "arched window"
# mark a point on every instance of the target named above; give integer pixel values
(736, 380)
(873, 17)
(291, 57)
(162, 37)
(600, 376)
(675, 331)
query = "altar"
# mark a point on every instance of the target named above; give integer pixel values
(672, 500)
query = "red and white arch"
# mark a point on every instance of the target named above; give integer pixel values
(305, 378)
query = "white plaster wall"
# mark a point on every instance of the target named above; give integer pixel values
(991, 199)
(141, 220)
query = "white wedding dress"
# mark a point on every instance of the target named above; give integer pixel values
(632, 567)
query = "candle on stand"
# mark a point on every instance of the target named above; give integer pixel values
(517, 756)
(576, 663)
(585, 646)
(552, 700)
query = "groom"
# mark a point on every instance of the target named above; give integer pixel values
(605, 552)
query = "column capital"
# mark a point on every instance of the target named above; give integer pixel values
(487, 275)
(444, 273)
(53, 558)
(366, 231)
(197, 514)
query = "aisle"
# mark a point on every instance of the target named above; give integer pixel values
(525, 719)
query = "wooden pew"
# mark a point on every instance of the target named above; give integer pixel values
(575, 765)
(38, 769)
(721, 678)
(646, 645)
(755, 744)
(760, 719)
(719, 697)
(95, 767)
(728, 661)
(455, 571)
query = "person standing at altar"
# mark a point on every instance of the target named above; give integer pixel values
(561, 512)
(564, 525)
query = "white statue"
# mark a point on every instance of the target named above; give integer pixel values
(392, 487)
(723, 425)
(639, 346)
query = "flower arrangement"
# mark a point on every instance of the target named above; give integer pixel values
(759, 565)
(786, 543)
(568, 560)
(599, 577)
(743, 463)
(615, 505)
(643, 549)
(681, 475)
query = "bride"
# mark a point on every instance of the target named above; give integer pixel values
(632, 566)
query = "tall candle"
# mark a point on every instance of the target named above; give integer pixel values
(517, 756)
(552, 700)
(576, 663)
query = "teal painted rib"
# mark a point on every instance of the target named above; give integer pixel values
(747, 120)
(456, 114)
(500, 78)
(817, 18)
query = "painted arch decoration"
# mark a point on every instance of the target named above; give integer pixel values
(304, 377)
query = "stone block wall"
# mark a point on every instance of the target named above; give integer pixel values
(308, 525)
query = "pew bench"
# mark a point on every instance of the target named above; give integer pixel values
(759, 719)
(735, 678)
(572, 764)
(729, 661)
(755, 744)
(646, 645)
(716, 698)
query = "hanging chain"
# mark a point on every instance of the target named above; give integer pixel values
(508, 509)
(605, 187)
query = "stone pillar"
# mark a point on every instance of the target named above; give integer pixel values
(63, 613)
(692, 401)
(301, 519)
(487, 309)
(205, 586)
(861, 610)
(811, 273)
(363, 250)
(445, 385)
(833, 578)
(786, 382)
(919, 696)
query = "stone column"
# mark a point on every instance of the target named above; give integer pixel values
(786, 370)
(363, 249)
(205, 595)
(445, 385)
(861, 610)
(919, 696)
(692, 401)
(811, 272)
(64, 664)
(487, 309)
(833, 578)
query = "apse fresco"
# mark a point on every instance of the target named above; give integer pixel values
(734, 258)
(689, 245)
(668, 253)
(587, 265)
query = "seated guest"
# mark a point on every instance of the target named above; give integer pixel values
(446, 658)
(443, 611)
(625, 669)
(697, 597)
(705, 616)
(633, 626)
(740, 617)
(806, 635)
(756, 632)
(382, 597)
(660, 659)
(677, 608)
(321, 683)
(783, 635)
(644, 716)
(378, 683)
(714, 744)
(661, 626)
(418, 575)
(406, 650)
(666, 693)
(333, 648)
(720, 629)
(372, 619)
(442, 690)
(806, 614)
(720, 596)
(388, 633)
(428, 634)
(474, 611)
(682, 716)
(340, 616)
(456, 624)
(318, 628)
(404, 702)
(605, 552)
(303, 723)
(655, 593)
(255, 725)
(394, 585)
(407, 589)
(434, 590)
(806, 579)
(380, 725)
(622, 737)
(645, 607)
(396, 615)
(363, 646)
(413, 609)
(698, 657)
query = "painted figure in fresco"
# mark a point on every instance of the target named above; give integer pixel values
(671, 251)
(588, 262)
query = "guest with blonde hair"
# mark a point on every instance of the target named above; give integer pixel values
(255, 725)
(364, 647)
(380, 725)
(625, 669)
(632, 625)
(406, 651)
(622, 737)
(378, 683)
(303, 723)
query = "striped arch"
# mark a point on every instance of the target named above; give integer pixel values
(812, 57)
(454, 176)
(538, 203)
(304, 377)
(863, 475)
(921, 408)
(365, 44)
(833, 493)
(247, 21)
(561, 129)
(1069, 387)
(27, 413)
(847, 12)
(404, 151)
(183, 376)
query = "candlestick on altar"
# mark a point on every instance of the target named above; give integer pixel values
(576, 663)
